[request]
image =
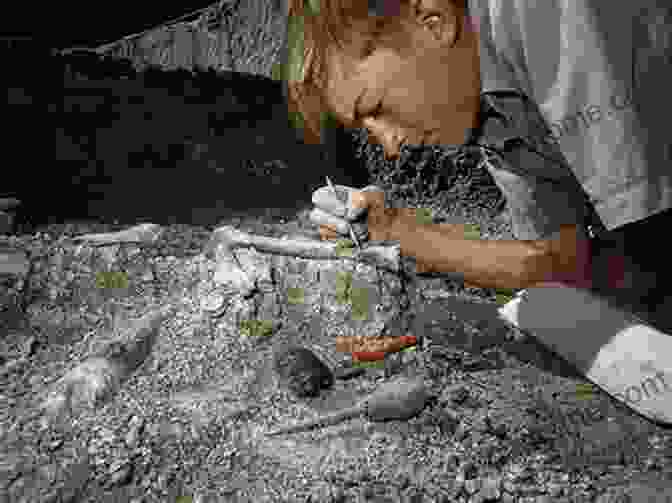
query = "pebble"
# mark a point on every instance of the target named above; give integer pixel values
(338, 495)
(472, 486)
(6, 223)
(555, 489)
(491, 489)
(35, 381)
(13, 365)
(122, 475)
(13, 262)
(135, 426)
(529, 490)
(53, 497)
(107, 436)
(516, 472)
(132, 438)
(8, 203)
(49, 472)
(468, 470)
(462, 431)
(30, 345)
(214, 304)
(613, 496)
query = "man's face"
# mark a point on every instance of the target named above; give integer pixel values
(410, 75)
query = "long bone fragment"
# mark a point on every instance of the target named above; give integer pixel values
(385, 255)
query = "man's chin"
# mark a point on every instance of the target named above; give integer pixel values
(430, 140)
(394, 138)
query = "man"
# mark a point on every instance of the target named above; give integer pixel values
(563, 99)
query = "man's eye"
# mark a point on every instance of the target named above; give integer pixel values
(434, 23)
(431, 19)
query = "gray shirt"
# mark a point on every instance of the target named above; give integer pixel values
(597, 72)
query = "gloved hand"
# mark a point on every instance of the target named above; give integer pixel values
(363, 208)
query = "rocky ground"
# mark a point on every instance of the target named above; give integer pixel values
(183, 419)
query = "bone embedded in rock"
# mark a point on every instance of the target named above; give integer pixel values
(386, 256)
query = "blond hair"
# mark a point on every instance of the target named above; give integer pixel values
(316, 27)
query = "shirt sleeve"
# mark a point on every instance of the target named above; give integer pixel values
(542, 192)
(598, 71)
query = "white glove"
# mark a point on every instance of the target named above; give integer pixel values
(337, 210)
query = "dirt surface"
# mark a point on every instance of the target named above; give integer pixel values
(504, 425)
(507, 422)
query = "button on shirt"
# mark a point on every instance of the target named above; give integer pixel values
(599, 73)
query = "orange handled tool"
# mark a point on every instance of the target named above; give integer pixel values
(368, 356)
(374, 344)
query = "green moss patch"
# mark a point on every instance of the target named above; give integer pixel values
(255, 328)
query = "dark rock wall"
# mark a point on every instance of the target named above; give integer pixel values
(176, 145)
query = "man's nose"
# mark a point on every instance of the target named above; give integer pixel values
(389, 137)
